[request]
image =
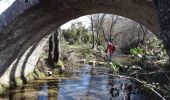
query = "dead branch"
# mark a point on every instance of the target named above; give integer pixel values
(149, 86)
(159, 72)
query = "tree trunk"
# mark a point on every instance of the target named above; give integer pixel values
(104, 35)
(163, 12)
(100, 22)
(92, 30)
(50, 61)
(93, 39)
(56, 48)
(114, 21)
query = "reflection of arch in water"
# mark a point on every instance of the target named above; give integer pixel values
(28, 23)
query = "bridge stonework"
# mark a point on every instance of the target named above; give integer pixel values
(163, 12)
(33, 20)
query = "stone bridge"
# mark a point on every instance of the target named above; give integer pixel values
(26, 22)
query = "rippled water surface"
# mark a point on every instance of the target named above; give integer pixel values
(79, 85)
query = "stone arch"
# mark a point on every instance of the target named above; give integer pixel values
(20, 28)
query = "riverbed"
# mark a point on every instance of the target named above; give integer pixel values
(81, 85)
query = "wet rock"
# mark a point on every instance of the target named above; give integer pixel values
(82, 61)
(136, 68)
(49, 73)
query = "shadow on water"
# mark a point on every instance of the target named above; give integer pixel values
(80, 85)
(43, 94)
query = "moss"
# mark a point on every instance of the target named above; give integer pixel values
(39, 74)
(18, 81)
(55, 71)
(101, 63)
(2, 90)
(60, 64)
(35, 75)
(30, 76)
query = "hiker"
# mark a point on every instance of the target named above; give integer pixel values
(109, 51)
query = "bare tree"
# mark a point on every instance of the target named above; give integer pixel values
(98, 26)
(92, 30)
(108, 26)
(119, 30)
(97, 21)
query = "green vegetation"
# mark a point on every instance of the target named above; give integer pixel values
(115, 66)
(77, 34)
(152, 49)
(60, 64)
(138, 50)
(37, 74)
(2, 89)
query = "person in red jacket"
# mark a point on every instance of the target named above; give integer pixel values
(110, 49)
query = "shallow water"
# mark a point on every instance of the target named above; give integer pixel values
(79, 85)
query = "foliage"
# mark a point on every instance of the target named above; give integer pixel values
(60, 64)
(86, 38)
(152, 49)
(101, 48)
(86, 52)
(115, 66)
(136, 52)
(77, 34)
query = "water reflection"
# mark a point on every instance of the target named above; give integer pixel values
(43, 94)
(79, 85)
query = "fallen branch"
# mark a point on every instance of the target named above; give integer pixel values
(159, 72)
(147, 85)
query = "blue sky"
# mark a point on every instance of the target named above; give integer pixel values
(84, 19)
(4, 4)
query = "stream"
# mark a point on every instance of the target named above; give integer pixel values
(81, 85)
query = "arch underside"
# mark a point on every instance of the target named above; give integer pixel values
(36, 22)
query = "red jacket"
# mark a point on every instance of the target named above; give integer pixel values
(110, 48)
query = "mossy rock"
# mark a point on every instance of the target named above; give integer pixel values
(31, 76)
(91, 62)
(35, 75)
(39, 74)
(18, 81)
(101, 63)
(2, 89)
(55, 71)
(60, 64)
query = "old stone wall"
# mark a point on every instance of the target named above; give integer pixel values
(26, 64)
(17, 8)
(26, 23)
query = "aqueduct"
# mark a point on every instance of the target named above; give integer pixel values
(26, 22)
